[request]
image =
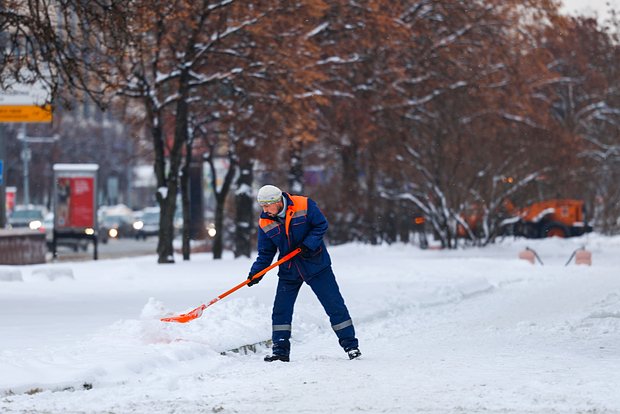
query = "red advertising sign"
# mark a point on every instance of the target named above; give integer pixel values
(75, 206)
(10, 199)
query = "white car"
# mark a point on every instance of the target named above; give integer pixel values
(147, 223)
(27, 217)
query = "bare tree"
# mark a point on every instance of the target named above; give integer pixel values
(586, 105)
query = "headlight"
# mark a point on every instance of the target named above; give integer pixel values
(34, 225)
(113, 233)
(137, 225)
(89, 231)
(211, 230)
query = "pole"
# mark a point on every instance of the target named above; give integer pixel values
(26, 159)
(26, 156)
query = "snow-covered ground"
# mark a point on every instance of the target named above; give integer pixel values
(466, 331)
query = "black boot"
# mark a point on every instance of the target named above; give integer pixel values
(354, 353)
(271, 358)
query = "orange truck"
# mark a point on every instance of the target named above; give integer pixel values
(549, 218)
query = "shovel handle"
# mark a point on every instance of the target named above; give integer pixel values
(256, 276)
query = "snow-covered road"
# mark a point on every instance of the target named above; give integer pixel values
(467, 331)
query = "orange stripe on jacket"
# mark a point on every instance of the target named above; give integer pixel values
(298, 208)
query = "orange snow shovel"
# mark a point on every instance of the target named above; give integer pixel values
(196, 313)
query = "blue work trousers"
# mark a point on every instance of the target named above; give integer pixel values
(326, 290)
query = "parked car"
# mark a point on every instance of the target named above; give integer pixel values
(115, 222)
(147, 223)
(117, 226)
(27, 217)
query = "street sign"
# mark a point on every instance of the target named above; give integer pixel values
(25, 113)
(25, 102)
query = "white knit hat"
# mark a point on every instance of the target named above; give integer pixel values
(269, 194)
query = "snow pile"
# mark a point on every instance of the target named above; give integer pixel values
(154, 309)
(52, 273)
(8, 274)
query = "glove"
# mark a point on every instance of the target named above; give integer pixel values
(255, 281)
(306, 252)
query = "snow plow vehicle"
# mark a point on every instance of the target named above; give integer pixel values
(549, 218)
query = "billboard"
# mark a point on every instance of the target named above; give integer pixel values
(10, 200)
(75, 201)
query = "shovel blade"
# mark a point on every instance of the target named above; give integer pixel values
(185, 317)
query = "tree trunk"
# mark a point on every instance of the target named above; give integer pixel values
(165, 249)
(296, 172)
(218, 240)
(244, 210)
(220, 200)
(373, 216)
(348, 228)
(185, 202)
(164, 242)
(405, 218)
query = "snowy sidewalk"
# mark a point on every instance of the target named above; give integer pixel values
(468, 331)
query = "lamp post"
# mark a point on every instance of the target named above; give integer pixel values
(26, 155)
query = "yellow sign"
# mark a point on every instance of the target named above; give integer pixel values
(25, 113)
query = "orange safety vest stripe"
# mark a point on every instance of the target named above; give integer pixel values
(297, 209)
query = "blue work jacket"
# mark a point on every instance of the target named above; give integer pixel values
(304, 224)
